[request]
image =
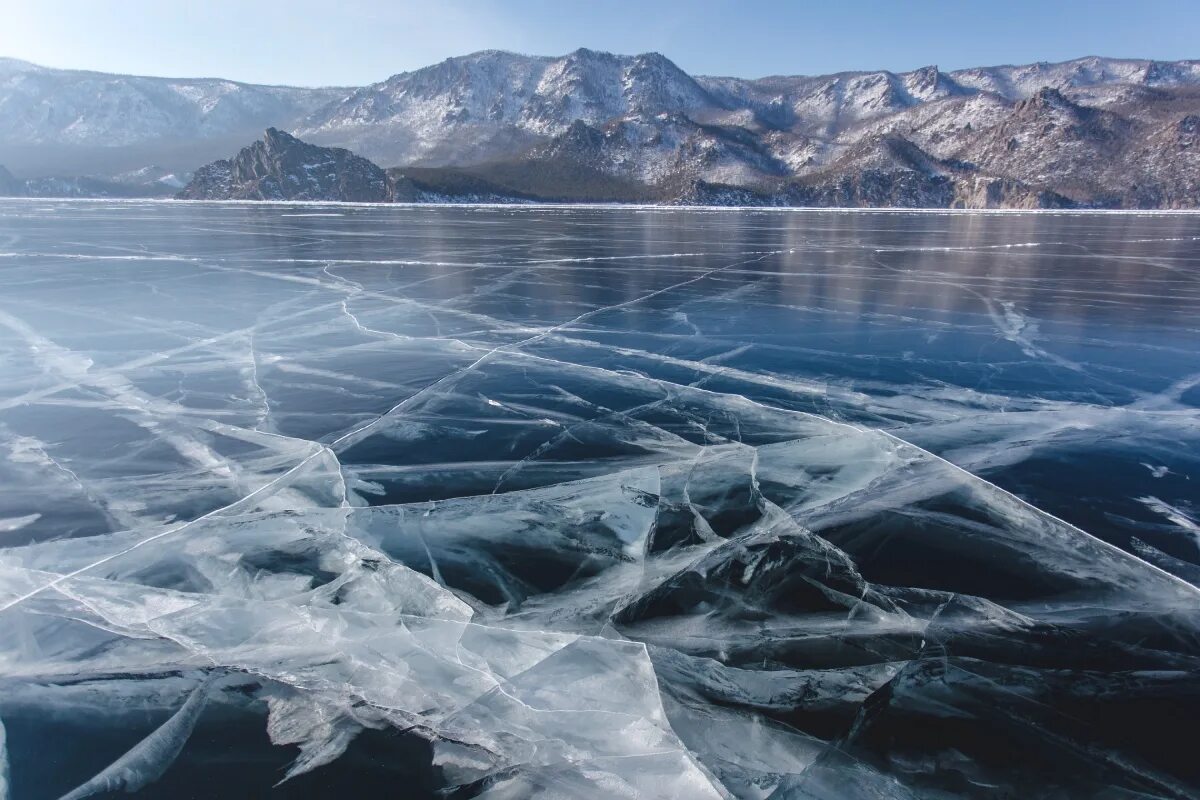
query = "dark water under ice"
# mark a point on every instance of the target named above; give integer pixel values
(575, 502)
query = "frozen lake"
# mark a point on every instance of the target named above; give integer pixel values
(561, 502)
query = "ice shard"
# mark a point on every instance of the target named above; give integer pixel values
(151, 757)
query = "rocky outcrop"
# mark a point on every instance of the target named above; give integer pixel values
(987, 192)
(448, 185)
(211, 182)
(876, 189)
(281, 167)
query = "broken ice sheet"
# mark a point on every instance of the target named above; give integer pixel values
(675, 505)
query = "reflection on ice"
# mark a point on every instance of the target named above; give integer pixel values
(562, 503)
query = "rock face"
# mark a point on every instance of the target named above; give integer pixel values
(987, 192)
(211, 182)
(281, 167)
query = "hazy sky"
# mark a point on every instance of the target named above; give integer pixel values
(355, 41)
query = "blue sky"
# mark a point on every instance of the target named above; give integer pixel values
(356, 41)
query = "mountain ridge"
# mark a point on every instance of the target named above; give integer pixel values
(1087, 132)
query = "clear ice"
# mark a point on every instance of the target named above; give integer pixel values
(582, 502)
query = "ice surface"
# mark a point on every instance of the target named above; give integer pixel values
(575, 502)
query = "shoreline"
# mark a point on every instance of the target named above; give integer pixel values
(614, 206)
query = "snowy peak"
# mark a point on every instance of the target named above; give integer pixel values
(653, 84)
(493, 103)
(1172, 73)
(1019, 82)
(1049, 104)
(825, 105)
(276, 141)
(1048, 98)
(1049, 109)
(929, 83)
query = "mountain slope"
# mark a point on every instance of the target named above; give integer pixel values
(494, 104)
(41, 105)
(48, 115)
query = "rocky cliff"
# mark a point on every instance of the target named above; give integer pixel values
(281, 167)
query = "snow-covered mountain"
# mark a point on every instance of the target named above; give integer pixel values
(494, 104)
(52, 117)
(1032, 135)
(1092, 131)
(40, 105)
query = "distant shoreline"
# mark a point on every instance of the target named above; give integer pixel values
(1052, 212)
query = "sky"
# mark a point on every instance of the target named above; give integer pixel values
(353, 42)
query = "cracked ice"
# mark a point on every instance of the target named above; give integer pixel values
(578, 502)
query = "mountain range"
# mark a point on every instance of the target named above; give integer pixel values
(1093, 132)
